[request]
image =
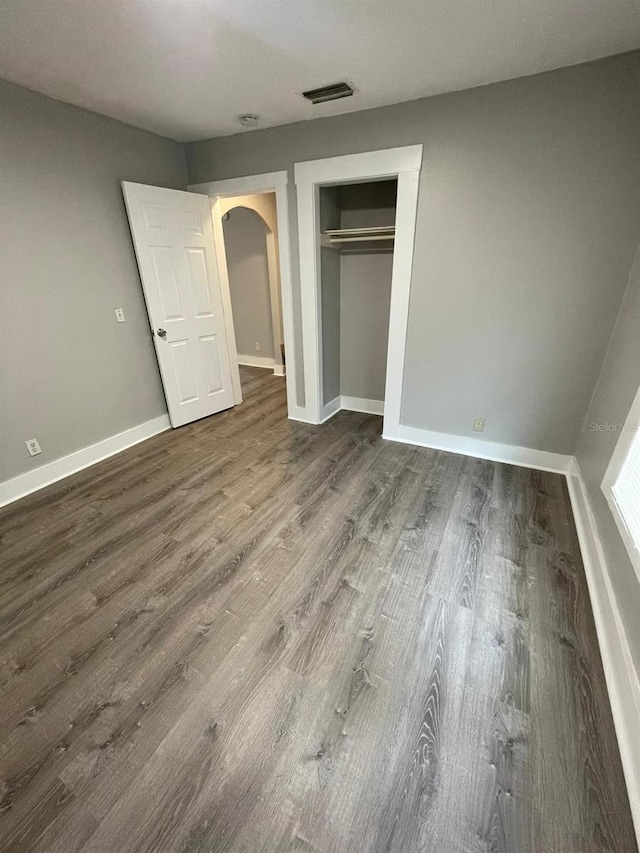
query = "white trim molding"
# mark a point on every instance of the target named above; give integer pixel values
(254, 185)
(256, 361)
(369, 165)
(362, 404)
(406, 213)
(330, 409)
(525, 457)
(621, 676)
(51, 472)
(244, 185)
(342, 403)
(401, 163)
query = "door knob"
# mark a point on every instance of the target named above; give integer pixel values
(161, 333)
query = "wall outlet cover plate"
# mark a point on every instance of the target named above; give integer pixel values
(33, 447)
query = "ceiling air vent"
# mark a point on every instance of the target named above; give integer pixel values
(328, 93)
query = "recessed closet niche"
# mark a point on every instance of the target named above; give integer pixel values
(357, 225)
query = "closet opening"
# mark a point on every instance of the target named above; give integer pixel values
(356, 223)
(356, 229)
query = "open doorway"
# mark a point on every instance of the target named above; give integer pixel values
(250, 253)
(356, 236)
(255, 234)
(250, 236)
(345, 202)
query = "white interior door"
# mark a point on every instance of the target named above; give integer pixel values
(173, 239)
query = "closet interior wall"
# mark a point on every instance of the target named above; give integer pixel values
(330, 298)
(355, 280)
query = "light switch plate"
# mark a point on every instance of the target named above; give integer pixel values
(119, 312)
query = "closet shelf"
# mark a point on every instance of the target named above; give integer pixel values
(338, 236)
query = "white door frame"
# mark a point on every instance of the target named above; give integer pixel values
(275, 182)
(401, 163)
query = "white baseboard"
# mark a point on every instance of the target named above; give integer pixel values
(330, 409)
(622, 679)
(51, 472)
(301, 419)
(351, 404)
(361, 404)
(260, 361)
(525, 457)
(299, 414)
(256, 361)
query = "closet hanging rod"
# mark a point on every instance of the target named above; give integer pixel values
(357, 232)
(335, 236)
(361, 239)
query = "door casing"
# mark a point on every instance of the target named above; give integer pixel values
(404, 164)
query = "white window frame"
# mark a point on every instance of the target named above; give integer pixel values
(623, 445)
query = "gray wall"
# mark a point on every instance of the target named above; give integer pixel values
(329, 217)
(331, 318)
(528, 216)
(617, 386)
(367, 205)
(355, 292)
(365, 299)
(246, 249)
(365, 291)
(71, 376)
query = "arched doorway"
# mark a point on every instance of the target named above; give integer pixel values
(245, 234)
(249, 227)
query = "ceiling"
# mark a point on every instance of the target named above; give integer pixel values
(188, 68)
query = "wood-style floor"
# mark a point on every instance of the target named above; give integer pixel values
(255, 635)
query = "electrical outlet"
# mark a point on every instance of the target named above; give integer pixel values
(478, 424)
(119, 312)
(33, 447)
(258, 347)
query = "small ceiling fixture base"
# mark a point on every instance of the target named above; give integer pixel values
(249, 120)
